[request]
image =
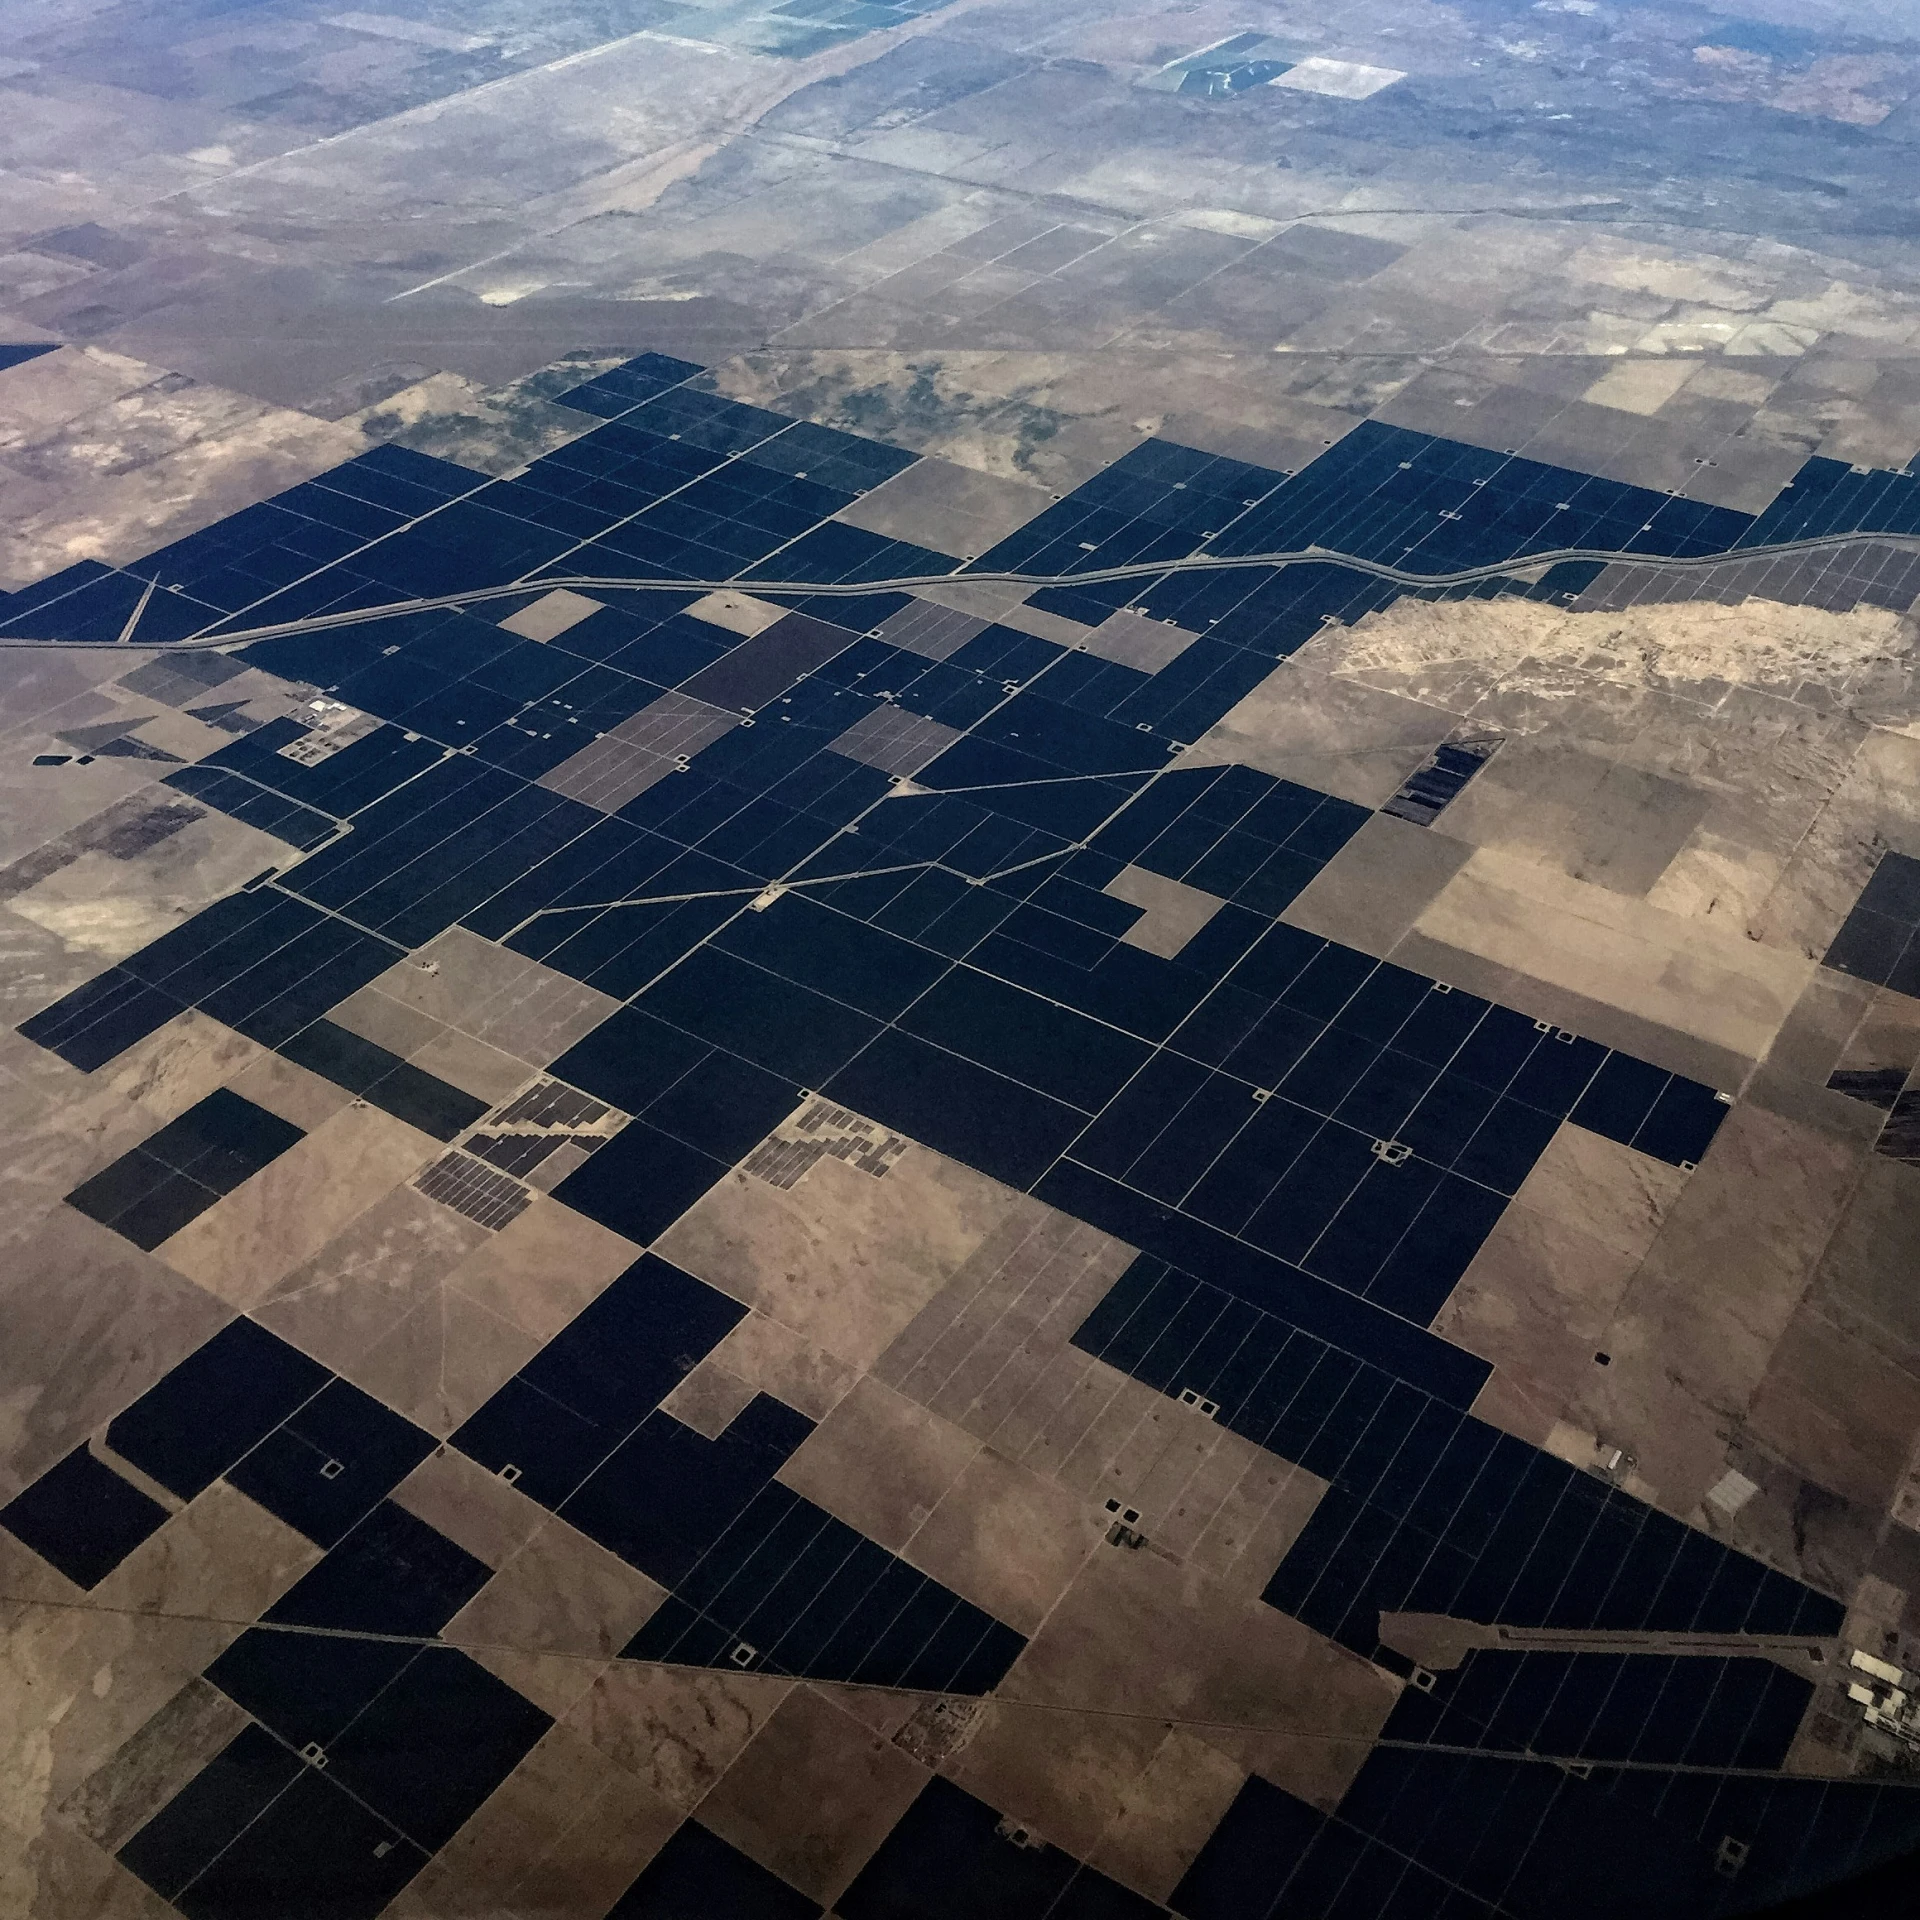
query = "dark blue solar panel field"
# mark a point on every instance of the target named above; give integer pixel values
(1305, 1147)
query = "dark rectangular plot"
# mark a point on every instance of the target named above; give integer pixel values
(680, 1635)
(306, 1687)
(1342, 1877)
(1682, 1123)
(1358, 1240)
(96, 611)
(1624, 1596)
(1894, 890)
(1437, 1249)
(392, 1574)
(1774, 1722)
(776, 1538)
(532, 1441)
(626, 953)
(1063, 939)
(830, 456)
(1435, 1493)
(214, 1407)
(895, 1651)
(985, 1666)
(1775, 1606)
(982, 1119)
(1396, 1418)
(211, 1811)
(1566, 1721)
(443, 479)
(1690, 1576)
(803, 1646)
(1586, 1573)
(1135, 992)
(708, 420)
(750, 1554)
(952, 1647)
(1440, 1024)
(1447, 1117)
(422, 1100)
(1255, 1382)
(804, 1572)
(1219, 946)
(759, 1015)
(82, 1518)
(1024, 789)
(1328, 981)
(242, 800)
(435, 1744)
(334, 508)
(1498, 1048)
(640, 1182)
(1250, 1856)
(1620, 1097)
(874, 1611)
(336, 1053)
(314, 1851)
(1416, 1463)
(1076, 897)
(1070, 741)
(1275, 1045)
(1388, 999)
(383, 1079)
(1505, 1145)
(1168, 1323)
(1329, 1070)
(1176, 1358)
(1556, 1076)
(1383, 1097)
(1345, 1585)
(1508, 1527)
(668, 1494)
(423, 876)
(130, 1186)
(272, 979)
(1131, 1296)
(1314, 1402)
(1141, 1112)
(1298, 1299)
(1018, 1034)
(332, 1462)
(1307, 1196)
(762, 668)
(98, 1021)
(724, 1107)
(698, 1876)
(1554, 1548)
(1306, 1430)
(646, 376)
(1195, 1136)
(223, 1140)
(629, 1060)
(956, 1847)
(1674, 1719)
(334, 968)
(1486, 1488)
(56, 586)
(1387, 1586)
(834, 954)
(628, 1350)
(1287, 1406)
